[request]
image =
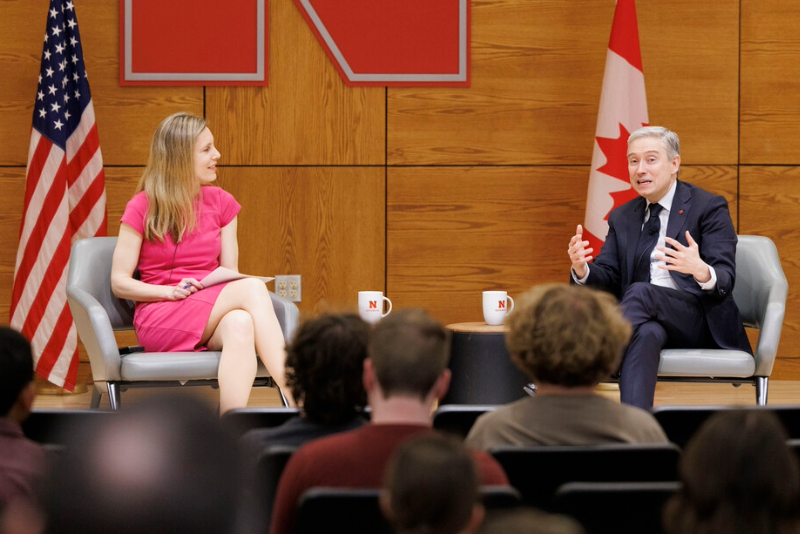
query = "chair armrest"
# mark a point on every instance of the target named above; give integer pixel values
(287, 313)
(96, 333)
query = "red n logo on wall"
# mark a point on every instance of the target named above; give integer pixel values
(370, 42)
(394, 42)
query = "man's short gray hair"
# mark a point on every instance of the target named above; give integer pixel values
(668, 137)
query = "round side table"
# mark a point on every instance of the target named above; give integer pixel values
(482, 370)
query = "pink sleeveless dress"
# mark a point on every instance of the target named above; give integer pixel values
(177, 326)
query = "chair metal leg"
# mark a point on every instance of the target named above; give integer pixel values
(97, 395)
(283, 397)
(762, 382)
(113, 395)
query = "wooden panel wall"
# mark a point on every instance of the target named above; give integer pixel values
(536, 74)
(307, 116)
(769, 176)
(770, 107)
(457, 231)
(326, 223)
(436, 194)
(690, 53)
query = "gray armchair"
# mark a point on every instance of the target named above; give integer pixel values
(760, 293)
(98, 314)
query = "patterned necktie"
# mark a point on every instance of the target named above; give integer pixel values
(647, 241)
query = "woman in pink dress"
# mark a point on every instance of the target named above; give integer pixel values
(175, 231)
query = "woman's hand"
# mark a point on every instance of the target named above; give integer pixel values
(183, 289)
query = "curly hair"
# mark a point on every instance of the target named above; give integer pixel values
(739, 476)
(565, 335)
(324, 366)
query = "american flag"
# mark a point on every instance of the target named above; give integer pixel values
(65, 198)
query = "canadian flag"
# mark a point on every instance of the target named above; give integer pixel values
(623, 109)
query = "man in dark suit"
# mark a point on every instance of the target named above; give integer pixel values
(670, 257)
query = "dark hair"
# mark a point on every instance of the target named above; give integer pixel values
(432, 485)
(409, 350)
(566, 335)
(324, 367)
(16, 367)
(165, 465)
(739, 476)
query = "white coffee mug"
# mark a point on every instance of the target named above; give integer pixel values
(370, 306)
(495, 307)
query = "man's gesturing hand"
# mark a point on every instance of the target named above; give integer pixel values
(684, 259)
(579, 254)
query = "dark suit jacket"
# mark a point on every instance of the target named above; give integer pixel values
(707, 219)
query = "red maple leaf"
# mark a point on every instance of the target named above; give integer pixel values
(616, 153)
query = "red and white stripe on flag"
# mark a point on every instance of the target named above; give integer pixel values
(65, 198)
(623, 109)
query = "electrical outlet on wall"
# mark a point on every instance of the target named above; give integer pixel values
(289, 286)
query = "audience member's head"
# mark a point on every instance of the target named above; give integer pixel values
(569, 336)
(431, 486)
(408, 353)
(324, 366)
(529, 521)
(164, 466)
(739, 476)
(17, 388)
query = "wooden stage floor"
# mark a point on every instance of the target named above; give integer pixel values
(667, 394)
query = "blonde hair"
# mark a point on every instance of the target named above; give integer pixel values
(169, 179)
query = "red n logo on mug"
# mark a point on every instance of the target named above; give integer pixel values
(370, 306)
(501, 305)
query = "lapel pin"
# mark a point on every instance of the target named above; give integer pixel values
(680, 212)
